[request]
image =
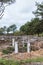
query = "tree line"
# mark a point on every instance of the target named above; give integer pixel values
(35, 26)
(8, 30)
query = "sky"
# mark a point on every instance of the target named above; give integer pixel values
(19, 13)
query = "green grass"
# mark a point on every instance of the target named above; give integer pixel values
(15, 62)
(39, 59)
(8, 62)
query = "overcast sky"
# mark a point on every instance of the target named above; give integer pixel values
(19, 13)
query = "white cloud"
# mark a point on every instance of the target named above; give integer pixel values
(19, 12)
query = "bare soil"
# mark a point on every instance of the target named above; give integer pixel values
(23, 56)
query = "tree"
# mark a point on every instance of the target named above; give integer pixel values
(12, 28)
(39, 10)
(24, 28)
(39, 13)
(8, 30)
(1, 30)
(31, 27)
(18, 33)
(5, 29)
(2, 6)
(35, 26)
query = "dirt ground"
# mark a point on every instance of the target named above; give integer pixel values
(22, 56)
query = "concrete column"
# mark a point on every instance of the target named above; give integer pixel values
(23, 43)
(13, 42)
(28, 46)
(16, 47)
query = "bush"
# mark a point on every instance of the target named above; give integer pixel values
(5, 51)
(8, 50)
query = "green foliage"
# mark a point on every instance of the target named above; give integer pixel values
(8, 50)
(1, 30)
(33, 27)
(18, 33)
(6, 1)
(38, 59)
(25, 28)
(39, 13)
(6, 30)
(39, 10)
(11, 28)
(8, 62)
(3, 4)
(21, 62)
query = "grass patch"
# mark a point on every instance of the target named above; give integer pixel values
(13, 62)
(8, 62)
(39, 59)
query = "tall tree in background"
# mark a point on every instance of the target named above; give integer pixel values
(35, 27)
(39, 13)
(3, 4)
(11, 28)
(6, 30)
(32, 27)
(39, 10)
(25, 28)
(3, 30)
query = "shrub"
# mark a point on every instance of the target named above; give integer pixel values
(8, 50)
